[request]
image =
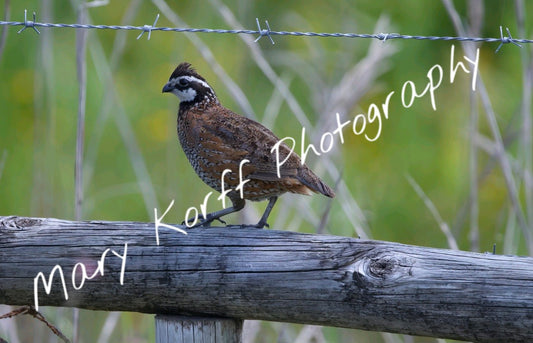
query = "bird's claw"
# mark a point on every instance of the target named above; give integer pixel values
(206, 222)
(258, 225)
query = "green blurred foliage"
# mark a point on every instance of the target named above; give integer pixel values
(39, 103)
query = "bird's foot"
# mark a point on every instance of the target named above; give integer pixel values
(248, 226)
(206, 222)
(260, 225)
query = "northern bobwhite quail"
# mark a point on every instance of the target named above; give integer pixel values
(215, 138)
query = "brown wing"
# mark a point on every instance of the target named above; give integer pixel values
(244, 138)
(251, 140)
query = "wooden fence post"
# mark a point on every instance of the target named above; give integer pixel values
(184, 329)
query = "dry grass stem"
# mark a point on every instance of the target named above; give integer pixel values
(452, 243)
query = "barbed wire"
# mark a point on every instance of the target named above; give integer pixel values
(33, 24)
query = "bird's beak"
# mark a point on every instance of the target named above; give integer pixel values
(167, 88)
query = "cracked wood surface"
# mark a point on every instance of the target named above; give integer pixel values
(272, 275)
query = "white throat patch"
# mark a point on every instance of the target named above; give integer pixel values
(188, 95)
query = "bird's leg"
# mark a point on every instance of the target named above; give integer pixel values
(210, 217)
(238, 205)
(263, 221)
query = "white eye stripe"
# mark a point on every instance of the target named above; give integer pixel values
(174, 82)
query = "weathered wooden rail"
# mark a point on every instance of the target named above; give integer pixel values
(271, 275)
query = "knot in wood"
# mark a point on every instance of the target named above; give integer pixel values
(382, 267)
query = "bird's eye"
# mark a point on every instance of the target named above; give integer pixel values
(183, 82)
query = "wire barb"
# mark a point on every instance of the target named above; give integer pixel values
(506, 40)
(262, 32)
(149, 28)
(29, 23)
(384, 36)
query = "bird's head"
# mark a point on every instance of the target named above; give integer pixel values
(189, 86)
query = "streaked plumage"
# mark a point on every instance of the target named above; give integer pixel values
(214, 139)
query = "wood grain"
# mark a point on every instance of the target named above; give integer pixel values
(181, 329)
(272, 275)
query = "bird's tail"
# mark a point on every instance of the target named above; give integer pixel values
(313, 182)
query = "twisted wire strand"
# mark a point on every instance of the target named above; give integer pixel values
(266, 32)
